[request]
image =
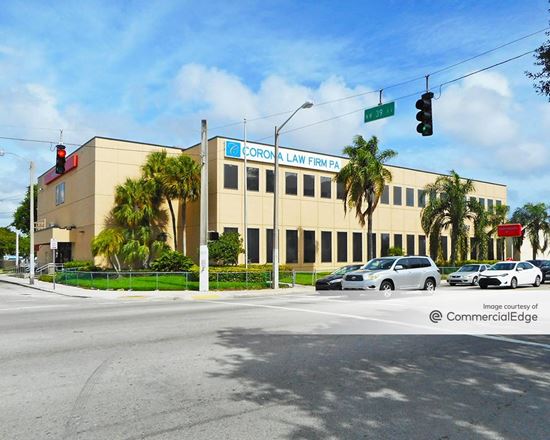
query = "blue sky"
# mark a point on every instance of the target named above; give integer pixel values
(149, 71)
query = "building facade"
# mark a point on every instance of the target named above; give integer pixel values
(315, 232)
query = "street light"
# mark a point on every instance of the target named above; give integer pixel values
(31, 201)
(275, 277)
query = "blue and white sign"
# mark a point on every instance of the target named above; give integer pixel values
(292, 158)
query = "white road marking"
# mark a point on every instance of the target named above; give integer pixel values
(386, 321)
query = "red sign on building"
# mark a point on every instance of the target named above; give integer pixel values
(51, 175)
(510, 230)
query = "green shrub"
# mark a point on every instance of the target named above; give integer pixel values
(226, 250)
(395, 251)
(46, 278)
(85, 265)
(172, 261)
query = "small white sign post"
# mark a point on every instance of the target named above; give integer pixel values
(53, 247)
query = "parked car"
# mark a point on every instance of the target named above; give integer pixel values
(390, 273)
(334, 280)
(466, 275)
(510, 274)
(545, 269)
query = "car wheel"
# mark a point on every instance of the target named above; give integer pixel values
(514, 283)
(387, 289)
(452, 284)
(482, 285)
(537, 282)
(429, 285)
(474, 281)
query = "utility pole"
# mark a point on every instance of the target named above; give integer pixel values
(203, 250)
(275, 277)
(31, 229)
(245, 186)
(16, 250)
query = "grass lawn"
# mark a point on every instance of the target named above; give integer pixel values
(308, 279)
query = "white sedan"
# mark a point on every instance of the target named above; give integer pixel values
(510, 274)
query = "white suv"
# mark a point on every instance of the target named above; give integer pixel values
(390, 273)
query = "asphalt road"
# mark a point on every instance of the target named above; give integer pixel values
(89, 368)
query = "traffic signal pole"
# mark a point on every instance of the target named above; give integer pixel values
(203, 249)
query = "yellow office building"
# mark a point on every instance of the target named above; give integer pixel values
(314, 231)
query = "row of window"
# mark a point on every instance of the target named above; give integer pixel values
(231, 181)
(415, 245)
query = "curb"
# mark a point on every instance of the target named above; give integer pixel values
(29, 286)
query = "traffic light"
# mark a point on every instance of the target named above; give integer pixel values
(60, 159)
(424, 116)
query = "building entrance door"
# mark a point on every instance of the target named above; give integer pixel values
(63, 253)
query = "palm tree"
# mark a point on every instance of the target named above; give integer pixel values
(182, 180)
(109, 243)
(535, 218)
(450, 210)
(481, 223)
(364, 177)
(497, 215)
(154, 169)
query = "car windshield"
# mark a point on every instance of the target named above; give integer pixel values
(503, 266)
(469, 268)
(379, 264)
(345, 269)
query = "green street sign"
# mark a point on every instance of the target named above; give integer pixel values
(380, 111)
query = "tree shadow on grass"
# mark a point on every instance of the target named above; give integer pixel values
(393, 387)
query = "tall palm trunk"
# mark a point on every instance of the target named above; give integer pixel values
(370, 244)
(174, 230)
(183, 226)
(454, 243)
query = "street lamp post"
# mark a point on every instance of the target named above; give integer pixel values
(275, 277)
(31, 214)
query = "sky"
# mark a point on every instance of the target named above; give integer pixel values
(150, 71)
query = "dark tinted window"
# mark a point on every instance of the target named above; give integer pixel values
(340, 191)
(269, 245)
(291, 183)
(491, 249)
(385, 244)
(424, 262)
(373, 237)
(309, 185)
(342, 245)
(410, 245)
(269, 181)
(357, 246)
(252, 179)
(326, 247)
(498, 202)
(228, 230)
(385, 198)
(410, 197)
(230, 177)
(326, 187)
(422, 245)
(398, 241)
(253, 245)
(309, 246)
(482, 201)
(489, 203)
(397, 195)
(291, 246)
(405, 262)
(421, 198)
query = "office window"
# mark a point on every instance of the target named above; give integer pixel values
(326, 247)
(489, 203)
(229, 230)
(253, 245)
(309, 246)
(385, 244)
(373, 238)
(60, 193)
(269, 245)
(498, 202)
(491, 249)
(325, 187)
(398, 241)
(444, 248)
(421, 245)
(230, 177)
(252, 179)
(421, 198)
(309, 185)
(482, 201)
(410, 196)
(397, 195)
(291, 180)
(340, 189)
(269, 181)
(342, 244)
(385, 199)
(357, 246)
(291, 246)
(410, 244)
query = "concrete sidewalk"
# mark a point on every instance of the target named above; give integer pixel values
(78, 292)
